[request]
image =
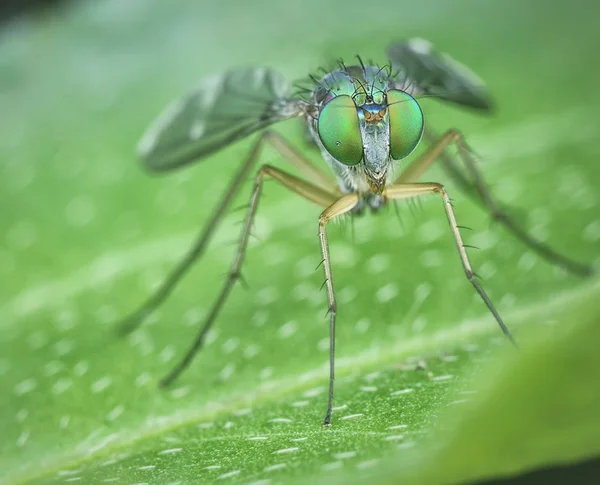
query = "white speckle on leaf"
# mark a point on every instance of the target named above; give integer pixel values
(378, 263)
(256, 438)
(22, 439)
(352, 416)
(170, 451)
(285, 450)
(398, 426)
(230, 345)
(143, 379)
(212, 467)
(394, 437)
(242, 412)
(442, 378)
(115, 413)
(367, 464)
(316, 391)
(431, 258)
(344, 455)
(25, 387)
(368, 388)
(280, 420)
(287, 329)
(53, 367)
(299, 404)
(251, 351)
(323, 344)
(61, 385)
(80, 211)
(180, 392)
(402, 391)
(101, 384)
(228, 475)
(227, 371)
(147, 467)
(268, 295)
(21, 415)
(167, 354)
(81, 368)
(362, 325)
(266, 373)
(387, 293)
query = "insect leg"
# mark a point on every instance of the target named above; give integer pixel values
(297, 185)
(402, 191)
(132, 321)
(437, 149)
(339, 207)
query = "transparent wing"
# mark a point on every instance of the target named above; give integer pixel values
(427, 71)
(221, 109)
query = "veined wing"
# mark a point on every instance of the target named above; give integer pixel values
(221, 109)
(434, 73)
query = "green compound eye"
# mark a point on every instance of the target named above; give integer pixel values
(339, 130)
(406, 123)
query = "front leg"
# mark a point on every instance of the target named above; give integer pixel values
(404, 191)
(339, 207)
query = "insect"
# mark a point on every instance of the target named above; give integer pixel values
(366, 120)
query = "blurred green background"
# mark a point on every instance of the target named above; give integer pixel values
(86, 234)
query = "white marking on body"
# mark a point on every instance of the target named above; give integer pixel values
(197, 130)
(257, 438)
(334, 465)
(147, 467)
(278, 466)
(398, 426)
(420, 46)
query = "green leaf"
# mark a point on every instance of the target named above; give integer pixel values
(86, 234)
